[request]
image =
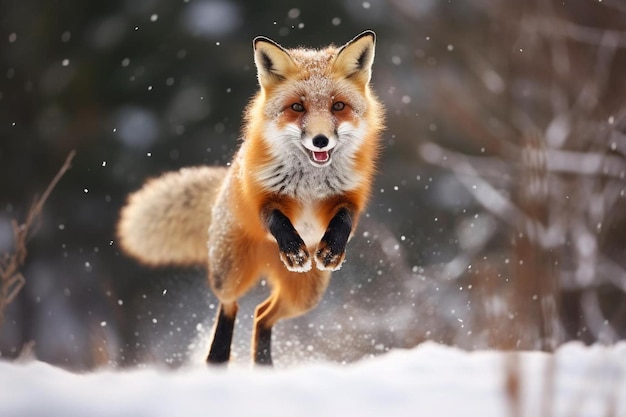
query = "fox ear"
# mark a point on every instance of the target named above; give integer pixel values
(354, 59)
(272, 61)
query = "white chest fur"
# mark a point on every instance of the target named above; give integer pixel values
(309, 227)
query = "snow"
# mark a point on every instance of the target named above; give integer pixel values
(430, 380)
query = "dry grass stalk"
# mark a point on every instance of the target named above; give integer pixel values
(513, 384)
(11, 279)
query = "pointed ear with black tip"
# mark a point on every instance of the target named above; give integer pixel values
(354, 59)
(272, 61)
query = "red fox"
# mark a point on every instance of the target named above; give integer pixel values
(288, 203)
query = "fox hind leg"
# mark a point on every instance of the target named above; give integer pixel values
(223, 333)
(233, 270)
(294, 294)
(262, 334)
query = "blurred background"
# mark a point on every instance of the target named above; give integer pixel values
(498, 218)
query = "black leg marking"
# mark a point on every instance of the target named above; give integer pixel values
(263, 352)
(222, 338)
(332, 247)
(292, 248)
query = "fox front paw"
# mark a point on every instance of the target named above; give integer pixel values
(328, 259)
(297, 260)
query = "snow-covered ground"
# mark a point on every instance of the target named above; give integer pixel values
(430, 380)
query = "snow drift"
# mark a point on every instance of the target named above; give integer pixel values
(430, 380)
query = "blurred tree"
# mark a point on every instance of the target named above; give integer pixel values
(542, 113)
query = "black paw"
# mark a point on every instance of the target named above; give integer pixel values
(327, 258)
(296, 260)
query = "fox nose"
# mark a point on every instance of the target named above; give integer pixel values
(320, 141)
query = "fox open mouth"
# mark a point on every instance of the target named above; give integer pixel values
(319, 157)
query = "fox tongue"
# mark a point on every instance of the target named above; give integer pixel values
(320, 156)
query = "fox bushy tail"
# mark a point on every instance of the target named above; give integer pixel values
(166, 222)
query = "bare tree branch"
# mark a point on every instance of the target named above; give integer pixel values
(579, 33)
(11, 280)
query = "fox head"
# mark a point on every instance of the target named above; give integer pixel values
(315, 101)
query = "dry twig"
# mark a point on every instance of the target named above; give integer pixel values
(11, 280)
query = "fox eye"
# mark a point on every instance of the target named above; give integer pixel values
(339, 105)
(297, 107)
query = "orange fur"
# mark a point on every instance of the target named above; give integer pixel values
(311, 181)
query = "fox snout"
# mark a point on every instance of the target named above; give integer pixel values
(319, 147)
(320, 141)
